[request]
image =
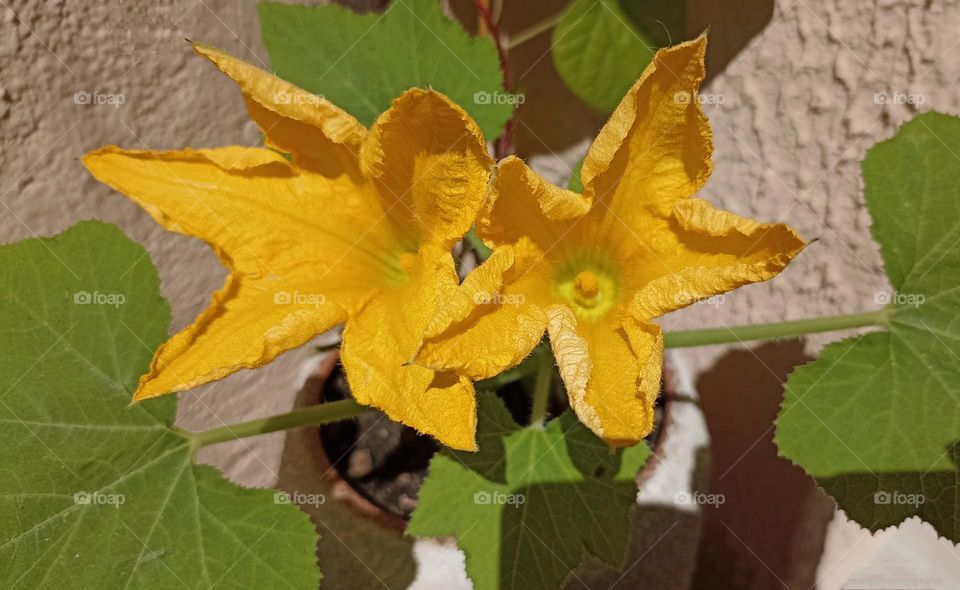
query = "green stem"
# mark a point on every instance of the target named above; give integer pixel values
(532, 31)
(483, 252)
(541, 390)
(348, 408)
(312, 416)
(726, 335)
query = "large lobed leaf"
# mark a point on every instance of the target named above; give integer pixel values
(533, 503)
(94, 492)
(876, 419)
(601, 47)
(361, 62)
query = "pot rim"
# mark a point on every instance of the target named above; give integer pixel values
(363, 506)
(340, 487)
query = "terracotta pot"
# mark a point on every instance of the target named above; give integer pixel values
(666, 529)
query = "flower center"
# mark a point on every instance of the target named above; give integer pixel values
(397, 268)
(586, 285)
(589, 289)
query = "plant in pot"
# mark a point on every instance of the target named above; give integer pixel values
(533, 379)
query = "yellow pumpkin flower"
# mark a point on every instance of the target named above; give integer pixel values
(593, 269)
(355, 226)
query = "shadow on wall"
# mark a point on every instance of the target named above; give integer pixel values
(769, 530)
(552, 119)
(733, 25)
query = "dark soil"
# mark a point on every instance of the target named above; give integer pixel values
(386, 462)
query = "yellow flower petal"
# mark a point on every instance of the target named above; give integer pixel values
(635, 245)
(646, 344)
(252, 207)
(295, 262)
(656, 146)
(309, 127)
(713, 252)
(382, 337)
(521, 204)
(573, 360)
(494, 320)
(250, 322)
(356, 226)
(612, 374)
(430, 163)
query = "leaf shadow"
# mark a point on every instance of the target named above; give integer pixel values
(881, 500)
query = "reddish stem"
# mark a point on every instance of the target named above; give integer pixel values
(502, 146)
(484, 11)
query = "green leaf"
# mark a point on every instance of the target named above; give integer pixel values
(530, 516)
(574, 183)
(362, 62)
(95, 492)
(600, 47)
(876, 419)
(482, 250)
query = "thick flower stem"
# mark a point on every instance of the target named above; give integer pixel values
(312, 416)
(541, 390)
(732, 334)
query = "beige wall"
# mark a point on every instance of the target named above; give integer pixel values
(51, 50)
(798, 116)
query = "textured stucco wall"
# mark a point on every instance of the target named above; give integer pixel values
(798, 114)
(49, 51)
